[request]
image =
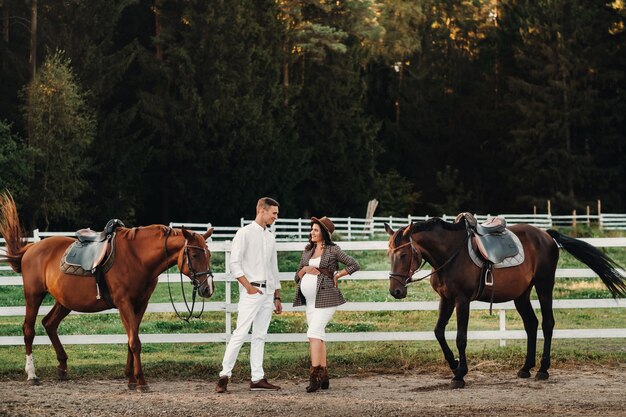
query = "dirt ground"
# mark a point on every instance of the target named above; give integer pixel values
(571, 392)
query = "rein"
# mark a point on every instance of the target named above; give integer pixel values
(406, 279)
(194, 280)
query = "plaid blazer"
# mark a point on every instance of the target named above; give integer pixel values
(327, 294)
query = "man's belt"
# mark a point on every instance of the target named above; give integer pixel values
(261, 284)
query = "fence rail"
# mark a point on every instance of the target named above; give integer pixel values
(228, 307)
(354, 228)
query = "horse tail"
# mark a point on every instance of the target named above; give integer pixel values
(10, 229)
(606, 268)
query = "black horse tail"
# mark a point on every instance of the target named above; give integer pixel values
(606, 268)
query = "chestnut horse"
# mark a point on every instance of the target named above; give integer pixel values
(141, 254)
(456, 279)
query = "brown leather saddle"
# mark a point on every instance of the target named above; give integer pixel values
(494, 241)
(90, 249)
(88, 256)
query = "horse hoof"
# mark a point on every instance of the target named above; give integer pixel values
(523, 374)
(143, 388)
(456, 384)
(132, 385)
(541, 376)
(34, 381)
(61, 375)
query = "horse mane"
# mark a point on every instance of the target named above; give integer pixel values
(430, 224)
(131, 233)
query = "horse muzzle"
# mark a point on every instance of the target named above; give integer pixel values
(206, 288)
(398, 292)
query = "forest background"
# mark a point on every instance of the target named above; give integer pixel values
(189, 110)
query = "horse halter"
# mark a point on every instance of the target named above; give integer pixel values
(193, 274)
(406, 279)
(197, 286)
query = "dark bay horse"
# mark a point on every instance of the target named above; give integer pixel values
(456, 279)
(141, 254)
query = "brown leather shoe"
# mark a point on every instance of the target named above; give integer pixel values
(263, 385)
(222, 385)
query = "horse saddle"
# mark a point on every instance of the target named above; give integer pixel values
(493, 241)
(88, 252)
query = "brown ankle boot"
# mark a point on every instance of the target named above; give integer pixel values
(314, 379)
(324, 379)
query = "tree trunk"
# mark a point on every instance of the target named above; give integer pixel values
(5, 23)
(157, 29)
(33, 39)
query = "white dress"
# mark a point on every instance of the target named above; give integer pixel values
(317, 318)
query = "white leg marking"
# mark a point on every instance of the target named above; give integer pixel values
(30, 367)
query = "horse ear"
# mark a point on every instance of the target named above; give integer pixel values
(407, 230)
(188, 235)
(208, 233)
(388, 229)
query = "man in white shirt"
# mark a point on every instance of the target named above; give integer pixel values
(253, 262)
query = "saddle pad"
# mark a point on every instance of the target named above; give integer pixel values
(506, 263)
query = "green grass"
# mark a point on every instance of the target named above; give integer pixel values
(202, 361)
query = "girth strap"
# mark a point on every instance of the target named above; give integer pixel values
(486, 279)
(102, 287)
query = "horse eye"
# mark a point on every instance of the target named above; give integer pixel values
(403, 255)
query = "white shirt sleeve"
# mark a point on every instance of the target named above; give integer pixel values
(237, 253)
(274, 266)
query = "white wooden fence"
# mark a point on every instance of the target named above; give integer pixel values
(229, 306)
(354, 228)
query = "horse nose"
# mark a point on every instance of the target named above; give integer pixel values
(208, 290)
(397, 293)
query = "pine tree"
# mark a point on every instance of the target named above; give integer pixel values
(562, 74)
(61, 127)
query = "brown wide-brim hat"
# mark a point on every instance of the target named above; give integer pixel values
(326, 223)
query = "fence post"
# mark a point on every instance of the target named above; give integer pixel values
(502, 326)
(349, 228)
(36, 236)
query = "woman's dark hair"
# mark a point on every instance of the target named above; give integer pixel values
(325, 237)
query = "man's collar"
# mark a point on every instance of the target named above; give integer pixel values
(258, 225)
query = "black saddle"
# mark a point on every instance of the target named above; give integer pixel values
(91, 247)
(493, 240)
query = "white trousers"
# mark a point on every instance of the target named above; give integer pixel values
(253, 311)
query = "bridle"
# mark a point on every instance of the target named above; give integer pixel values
(406, 279)
(193, 276)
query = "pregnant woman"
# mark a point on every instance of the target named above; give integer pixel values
(317, 276)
